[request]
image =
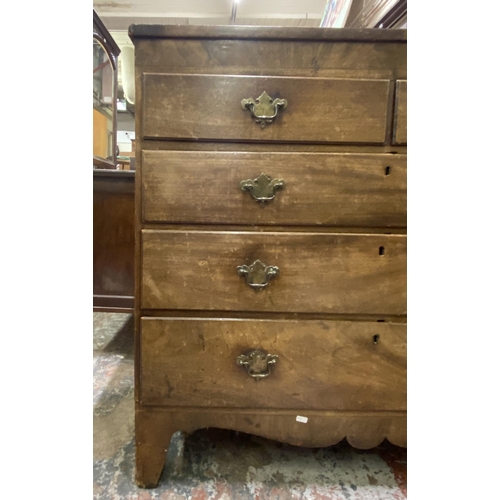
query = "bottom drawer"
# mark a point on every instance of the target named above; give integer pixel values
(286, 364)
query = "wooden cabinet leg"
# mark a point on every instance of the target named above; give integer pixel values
(152, 438)
(150, 461)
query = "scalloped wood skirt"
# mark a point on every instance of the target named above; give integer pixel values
(364, 430)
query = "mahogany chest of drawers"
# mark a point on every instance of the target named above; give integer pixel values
(270, 235)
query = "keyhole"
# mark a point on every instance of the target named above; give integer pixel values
(387, 170)
(375, 339)
(381, 250)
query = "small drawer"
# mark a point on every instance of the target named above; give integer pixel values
(400, 113)
(240, 108)
(274, 271)
(315, 189)
(313, 365)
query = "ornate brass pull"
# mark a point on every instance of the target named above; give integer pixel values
(257, 363)
(258, 275)
(262, 189)
(264, 109)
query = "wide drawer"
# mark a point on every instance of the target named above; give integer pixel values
(318, 272)
(296, 188)
(209, 107)
(320, 365)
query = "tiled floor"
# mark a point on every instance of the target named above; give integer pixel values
(217, 464)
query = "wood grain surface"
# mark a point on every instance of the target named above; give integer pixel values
(113, 240)
(319, 272)
(339, 59)
(319, 109)
(400, 116)
(322, 365)
(320, 189)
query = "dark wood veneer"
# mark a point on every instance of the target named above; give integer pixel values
(114, 237)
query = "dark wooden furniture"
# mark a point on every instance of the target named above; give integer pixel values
(271, 235)
(114, 238)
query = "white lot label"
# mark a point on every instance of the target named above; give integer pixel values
(302, 419)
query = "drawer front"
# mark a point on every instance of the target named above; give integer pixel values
(318, 272)
(316, 189)
(320, 365)
(208, 107)
(400, 117)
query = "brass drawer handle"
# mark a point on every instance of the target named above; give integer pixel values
(257, 363)
(258, 275)
(264, 109)
(263, 188)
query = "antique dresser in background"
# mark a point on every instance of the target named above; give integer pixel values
(271, 235)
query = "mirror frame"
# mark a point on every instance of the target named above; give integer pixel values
(103, 36)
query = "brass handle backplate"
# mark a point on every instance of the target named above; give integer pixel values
(258, 275)
(263, 188)
(257, 363)
(264, 109)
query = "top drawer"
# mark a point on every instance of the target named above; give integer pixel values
(209, 107)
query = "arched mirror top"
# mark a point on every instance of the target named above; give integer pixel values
(102, 42)
(104, 37)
